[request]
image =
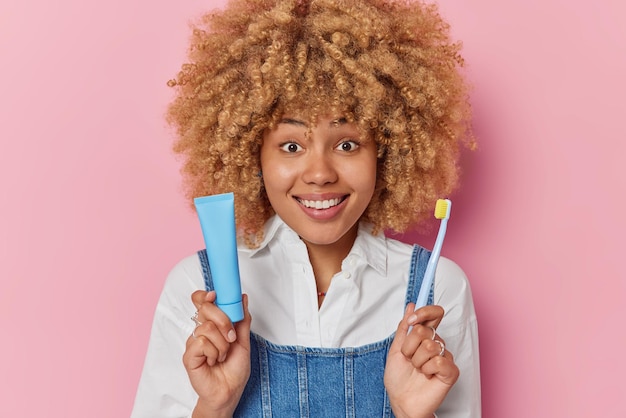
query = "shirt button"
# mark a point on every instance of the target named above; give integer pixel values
(347, 275)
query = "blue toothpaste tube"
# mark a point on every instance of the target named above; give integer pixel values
(217, 219)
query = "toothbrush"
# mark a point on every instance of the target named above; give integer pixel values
(442, 211)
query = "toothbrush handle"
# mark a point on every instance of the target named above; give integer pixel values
(431, 267)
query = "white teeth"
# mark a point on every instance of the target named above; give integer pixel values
(320, 204)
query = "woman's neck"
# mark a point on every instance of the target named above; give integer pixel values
(326, 259)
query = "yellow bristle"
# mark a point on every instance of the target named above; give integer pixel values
(441, 208)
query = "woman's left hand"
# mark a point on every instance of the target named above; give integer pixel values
(419, 370)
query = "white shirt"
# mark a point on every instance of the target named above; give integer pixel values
(364, 303)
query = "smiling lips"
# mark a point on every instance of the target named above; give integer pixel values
(320, 204)
(322, 209)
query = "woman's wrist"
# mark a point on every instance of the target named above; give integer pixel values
(399, 413)
(203, 410)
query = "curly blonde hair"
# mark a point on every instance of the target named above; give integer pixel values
(388, 66)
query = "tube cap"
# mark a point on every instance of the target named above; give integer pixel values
(233, 310)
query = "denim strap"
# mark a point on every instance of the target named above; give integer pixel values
(206, 270)
(419, 261)
(303, 386)
(348, 378)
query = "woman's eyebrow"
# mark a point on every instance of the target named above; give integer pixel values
(290, 121)
(297, 122)
(338, 122)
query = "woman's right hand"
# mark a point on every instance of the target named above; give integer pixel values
(217, 357)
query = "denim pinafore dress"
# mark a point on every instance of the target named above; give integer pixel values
(294, 381)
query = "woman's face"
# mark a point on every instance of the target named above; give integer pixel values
(319, 180)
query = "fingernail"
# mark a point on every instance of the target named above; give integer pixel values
(232, 336)
(412, 319)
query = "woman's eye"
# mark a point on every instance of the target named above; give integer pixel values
(348, 146)
(290, 147)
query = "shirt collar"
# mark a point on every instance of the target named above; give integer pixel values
(271, 228)
(370, 248)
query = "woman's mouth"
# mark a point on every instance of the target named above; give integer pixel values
(320, 204)
(323, 209)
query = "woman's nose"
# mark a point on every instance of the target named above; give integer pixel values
(319, 168)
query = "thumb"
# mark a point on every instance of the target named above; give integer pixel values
(403, 328)
(243, 327)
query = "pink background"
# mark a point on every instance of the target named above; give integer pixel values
(92, 216)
